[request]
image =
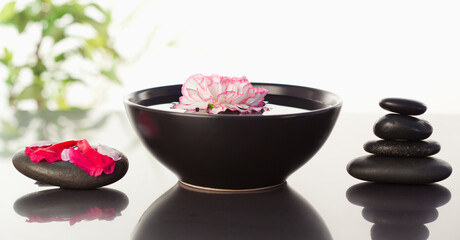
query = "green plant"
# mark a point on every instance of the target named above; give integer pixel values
(48, 80)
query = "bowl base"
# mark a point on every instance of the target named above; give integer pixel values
(202, 189)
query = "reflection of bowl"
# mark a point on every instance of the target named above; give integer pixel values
(230, 151)
(277, 214)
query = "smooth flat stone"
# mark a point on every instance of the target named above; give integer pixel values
(65, 174)
(398, 197)
(400, 217)
(403, 106)
(377, 168)
(402, 127)
(402, 148)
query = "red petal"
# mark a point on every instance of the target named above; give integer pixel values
(49, 153)
(90, 161)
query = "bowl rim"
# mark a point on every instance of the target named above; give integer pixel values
(339, 102)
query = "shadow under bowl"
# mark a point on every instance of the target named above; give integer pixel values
(229, 151)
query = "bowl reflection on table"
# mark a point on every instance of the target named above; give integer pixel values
(182, 213)
(64, 205)
(228, 151)
(399, 211)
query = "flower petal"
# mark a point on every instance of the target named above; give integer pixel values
(200, 91)
(108, 151)
(50, 153)
(90, 161)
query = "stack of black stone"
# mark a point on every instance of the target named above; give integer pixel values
(403, 156)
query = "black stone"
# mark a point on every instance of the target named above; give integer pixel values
(403, 148)
(402, 127)
(403, 106)
(65, 174)
(398, 197)
(377, 168)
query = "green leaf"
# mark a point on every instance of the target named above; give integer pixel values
(8, 54)
(69, 80)
(7, 57)
(13, 76)
(7, 12)
(56, 33)
(77, 11)
(60, 57)
(33, 91)
(21, 20)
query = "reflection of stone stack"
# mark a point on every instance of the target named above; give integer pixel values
(403, 154)
(399, 212)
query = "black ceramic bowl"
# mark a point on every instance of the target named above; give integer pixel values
(228, 151)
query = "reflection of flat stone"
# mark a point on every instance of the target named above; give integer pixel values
(399, 170)
(399, 211)
(403, 148)
(71, 205)
(380, 216)
(398, 232)
(398, 197)
(65, 174)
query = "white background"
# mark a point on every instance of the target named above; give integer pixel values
(362, 50)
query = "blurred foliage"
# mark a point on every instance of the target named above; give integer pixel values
(26, 127)
(46, 64)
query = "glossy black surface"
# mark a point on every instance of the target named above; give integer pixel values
(412, 170)
(403, 148)
(402, 127)
(73, 206)
(234, 151)
(322, 183)
(403, 106)
(65, 174)
(399, 211)
(275, 214)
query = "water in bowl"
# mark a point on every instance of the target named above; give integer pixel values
(273, 109)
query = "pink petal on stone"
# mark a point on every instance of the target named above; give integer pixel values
(50, 153)
(90, 161)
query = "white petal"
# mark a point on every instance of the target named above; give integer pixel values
(108, 151)
(65, 155)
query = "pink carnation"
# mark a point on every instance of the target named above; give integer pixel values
(217, 94)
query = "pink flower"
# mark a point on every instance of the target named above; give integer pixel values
(217, 94)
